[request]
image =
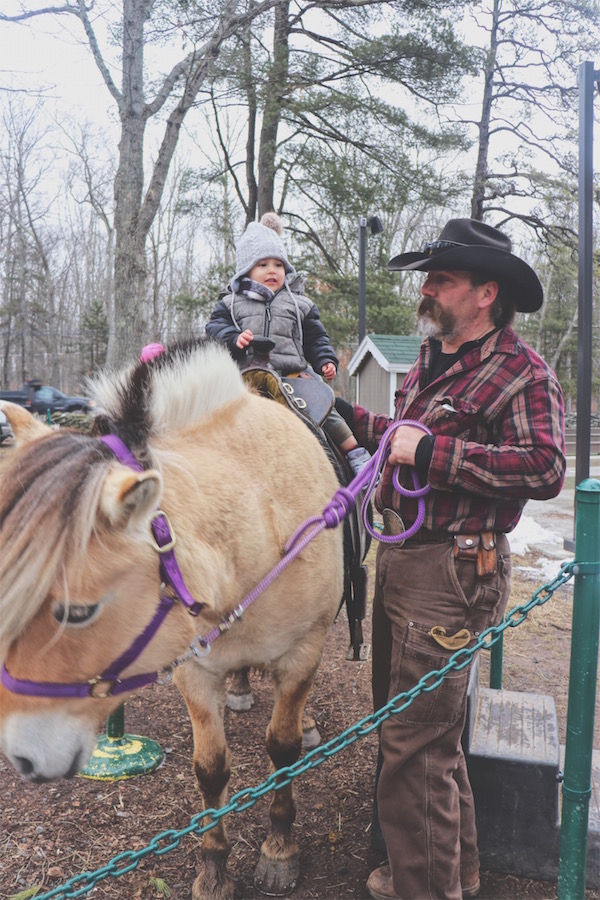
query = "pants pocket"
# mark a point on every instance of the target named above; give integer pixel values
(420, 655)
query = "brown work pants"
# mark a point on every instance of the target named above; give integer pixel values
(425, 803)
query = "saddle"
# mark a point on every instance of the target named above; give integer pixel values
(311, 399)
(304, 392)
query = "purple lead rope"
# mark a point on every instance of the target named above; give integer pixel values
(342, 503)
(344, 499)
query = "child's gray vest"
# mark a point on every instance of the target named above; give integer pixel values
(280, 319)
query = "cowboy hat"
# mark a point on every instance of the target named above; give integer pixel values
(470, 245)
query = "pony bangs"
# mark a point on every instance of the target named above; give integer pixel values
(33, 491)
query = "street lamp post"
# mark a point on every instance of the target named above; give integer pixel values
(376, 227)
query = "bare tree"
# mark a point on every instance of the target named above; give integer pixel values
(91, 184)
(135, 204)
(528, 103)
(28, 311)
(207, 27)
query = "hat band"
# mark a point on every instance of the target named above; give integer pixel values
(430, 247)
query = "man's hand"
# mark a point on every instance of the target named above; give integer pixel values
(403, 445)
(245, 338)
(328, 371)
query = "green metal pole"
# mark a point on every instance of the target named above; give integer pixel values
(496, 656)
(115, 724)
(576, 789)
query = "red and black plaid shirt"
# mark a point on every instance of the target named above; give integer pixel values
(498, 420)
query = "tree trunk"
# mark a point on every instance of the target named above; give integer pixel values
(277, 86)
(251, 136)
(130, 257)
(481, 169)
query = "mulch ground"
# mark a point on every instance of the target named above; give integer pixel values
(53, 832)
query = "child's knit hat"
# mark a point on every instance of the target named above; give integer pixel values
(259, 241)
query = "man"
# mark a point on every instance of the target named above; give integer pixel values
(496, 415)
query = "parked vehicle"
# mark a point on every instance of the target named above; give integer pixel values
(5, 429)
(41, 398)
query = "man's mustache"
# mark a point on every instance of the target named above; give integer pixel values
(427, 305)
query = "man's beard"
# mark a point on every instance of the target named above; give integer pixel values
(435, 322)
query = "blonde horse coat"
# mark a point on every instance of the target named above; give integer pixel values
(236, 474)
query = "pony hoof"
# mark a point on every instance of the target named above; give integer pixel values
(239, 702)
(222, 891)
(276, 877)
(213, 882)
(310, 734)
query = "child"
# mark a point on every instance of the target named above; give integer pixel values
(265, 298)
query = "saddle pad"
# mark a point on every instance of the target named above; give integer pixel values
(311, 395)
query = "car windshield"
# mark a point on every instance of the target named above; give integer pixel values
(48, 393)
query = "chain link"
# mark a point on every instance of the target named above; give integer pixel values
(247, 797)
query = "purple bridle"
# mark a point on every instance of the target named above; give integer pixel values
(173, 588)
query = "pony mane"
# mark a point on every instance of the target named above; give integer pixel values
(187, 382)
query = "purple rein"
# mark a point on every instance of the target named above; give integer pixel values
(110, 683)
(344, 499)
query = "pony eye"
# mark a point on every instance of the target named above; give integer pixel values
(74, 615)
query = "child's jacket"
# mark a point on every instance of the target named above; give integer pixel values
(289, 318)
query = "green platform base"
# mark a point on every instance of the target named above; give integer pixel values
(117, 758)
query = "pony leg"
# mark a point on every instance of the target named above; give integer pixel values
(278, 868)
(212, 770)
(240, 699)
(239, 692)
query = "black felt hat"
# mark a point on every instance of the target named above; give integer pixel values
(470, 245)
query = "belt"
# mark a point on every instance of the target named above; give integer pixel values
(479, 548)
(393, 524)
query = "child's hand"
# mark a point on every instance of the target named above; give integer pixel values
(245, 338)
(328, 371)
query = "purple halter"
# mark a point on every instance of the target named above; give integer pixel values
(110, 682)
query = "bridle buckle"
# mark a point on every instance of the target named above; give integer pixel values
(165, 548)
(99, 679)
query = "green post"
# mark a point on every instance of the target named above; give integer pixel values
(576, 789)
(118, 755)
(496, 655)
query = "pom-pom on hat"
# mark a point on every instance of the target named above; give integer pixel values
(261, 240)
(471, 245)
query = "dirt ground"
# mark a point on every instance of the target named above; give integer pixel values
(53, 832)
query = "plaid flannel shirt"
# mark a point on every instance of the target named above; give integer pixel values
(498, 419)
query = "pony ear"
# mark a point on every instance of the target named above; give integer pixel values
(25, 427)
(128, 497)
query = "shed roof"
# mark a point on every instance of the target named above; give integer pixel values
(393, 352)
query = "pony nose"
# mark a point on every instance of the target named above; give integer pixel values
(27, 768)
(24, 765)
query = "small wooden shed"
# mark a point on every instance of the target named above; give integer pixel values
(379, 366)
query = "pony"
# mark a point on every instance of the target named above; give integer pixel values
(216, 482)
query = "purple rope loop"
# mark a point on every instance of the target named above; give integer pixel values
(340, 506)
(371, 473)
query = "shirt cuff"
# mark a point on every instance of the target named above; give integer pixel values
(423, 455)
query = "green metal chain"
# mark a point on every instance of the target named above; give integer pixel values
(244, 799)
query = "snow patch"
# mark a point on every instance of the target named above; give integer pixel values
(530, 535)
